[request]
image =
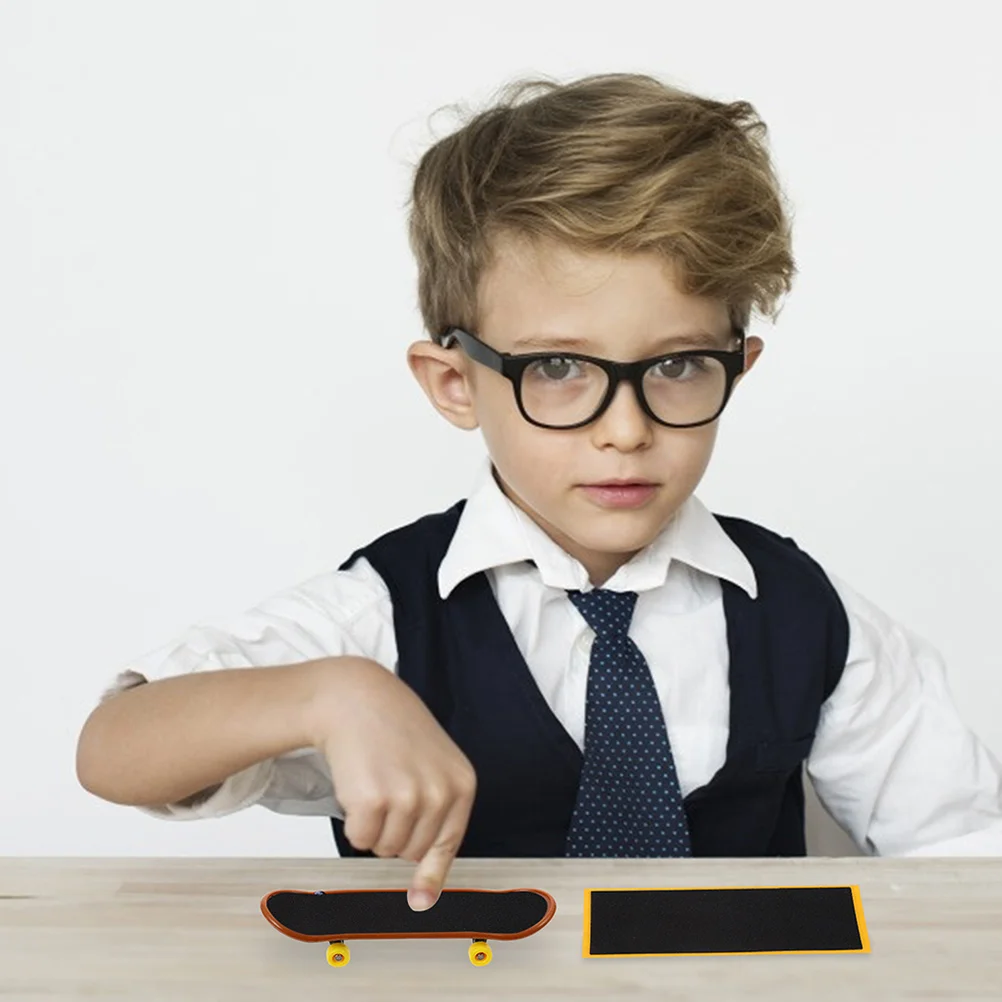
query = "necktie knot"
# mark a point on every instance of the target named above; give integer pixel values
(608, 613)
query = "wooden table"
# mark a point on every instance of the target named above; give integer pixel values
(191, 929)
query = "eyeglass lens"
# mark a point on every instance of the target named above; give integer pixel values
(565, 391)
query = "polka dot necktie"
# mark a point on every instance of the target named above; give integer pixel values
(629, 801)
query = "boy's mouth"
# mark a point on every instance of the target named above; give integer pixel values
(630, 493)
(630, 482)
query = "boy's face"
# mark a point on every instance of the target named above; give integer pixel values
(621, 308)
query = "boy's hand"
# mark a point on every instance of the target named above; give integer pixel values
(406, 787)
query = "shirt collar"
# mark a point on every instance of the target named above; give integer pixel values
(493, 531)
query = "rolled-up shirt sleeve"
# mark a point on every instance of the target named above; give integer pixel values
(337, 613)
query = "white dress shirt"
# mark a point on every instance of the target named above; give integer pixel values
(892, 762)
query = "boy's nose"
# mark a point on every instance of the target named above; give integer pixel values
(624, 421)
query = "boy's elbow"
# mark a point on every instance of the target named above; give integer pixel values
(88, 778)
(88, 775)
(92, 771)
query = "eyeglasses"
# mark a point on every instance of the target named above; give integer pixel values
(683, 389)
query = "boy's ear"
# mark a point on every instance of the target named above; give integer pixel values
(753, 348)
(444, 376)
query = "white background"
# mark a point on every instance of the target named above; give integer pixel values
(206, 295)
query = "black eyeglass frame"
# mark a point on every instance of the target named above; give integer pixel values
(513, 366)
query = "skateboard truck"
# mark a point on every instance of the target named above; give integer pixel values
(338, 953)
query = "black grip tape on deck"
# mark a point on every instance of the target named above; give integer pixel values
(360, 913)
(722, 920)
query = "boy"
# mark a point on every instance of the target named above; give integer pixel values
(579, 659)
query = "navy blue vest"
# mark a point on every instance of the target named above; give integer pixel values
(787, 652)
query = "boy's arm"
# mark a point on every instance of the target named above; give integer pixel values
(892, 760)
(170, 740)
(165, 736)
(335, 614)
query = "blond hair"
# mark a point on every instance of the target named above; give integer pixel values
(618, 163)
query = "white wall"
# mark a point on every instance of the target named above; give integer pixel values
(206, 294)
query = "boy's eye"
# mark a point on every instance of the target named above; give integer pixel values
(676, 368)
(557, 368)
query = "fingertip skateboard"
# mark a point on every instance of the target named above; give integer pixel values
(459, 913)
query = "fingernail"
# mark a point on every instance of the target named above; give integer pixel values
(421, 900)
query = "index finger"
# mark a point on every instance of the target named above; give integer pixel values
(431, 873)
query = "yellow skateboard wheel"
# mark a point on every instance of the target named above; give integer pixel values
(480, 953)
(338, 954)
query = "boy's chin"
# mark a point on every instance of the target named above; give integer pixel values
(617, 532)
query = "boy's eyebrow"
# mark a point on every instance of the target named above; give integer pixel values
(696, 338)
